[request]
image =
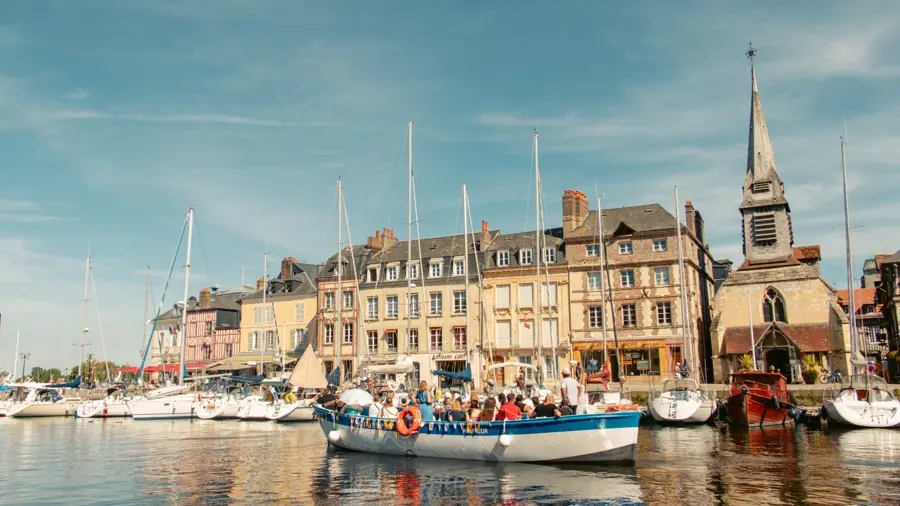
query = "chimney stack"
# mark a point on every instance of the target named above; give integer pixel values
(287, 268)
(260, 283)
(382, 240)
(205, 295)
(689, 217)
(575, 210)
(485, 235)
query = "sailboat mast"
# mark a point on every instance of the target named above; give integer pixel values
(87, 272)
(16, 359)
(602, 281)
(752, 337)
(409, 240)
(465, 204)
(537, 264)
(339, 327)
(263, 340)
(686, 351)
(146, 304)
(854, 332)
(187, 273)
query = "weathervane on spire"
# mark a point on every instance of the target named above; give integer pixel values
(751, 53)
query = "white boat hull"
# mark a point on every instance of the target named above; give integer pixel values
(103, 409)
(218, 409)
(178, 406)
(295, 412)
(3, 407)
(669, 410)
(605, 437)
(863, 414)
(254, 409)
(42, 409)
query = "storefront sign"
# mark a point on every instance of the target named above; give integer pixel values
(450, 356)
(643, 365)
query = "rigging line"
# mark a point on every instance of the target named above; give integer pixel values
(422, 275)
(453, 241)
(528, 192)
(162, 300)
(202, 253)
(100, 324)
(328, 220)
(554, 369)
(480, 287)
(360, 321)
(390, 220)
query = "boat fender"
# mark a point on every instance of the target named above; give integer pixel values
(505, 440)
(775, 403)
(289, 398)
(105, 410)
(334, 436)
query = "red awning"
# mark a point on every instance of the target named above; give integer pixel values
(191, 366)
(129, 369)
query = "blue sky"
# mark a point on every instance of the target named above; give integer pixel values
(115, 116)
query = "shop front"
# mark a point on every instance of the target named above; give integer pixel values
(641, 360)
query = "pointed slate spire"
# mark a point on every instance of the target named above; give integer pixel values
(760, 156)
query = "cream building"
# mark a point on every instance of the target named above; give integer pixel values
(641, 265)
(285, 321)
(778, 289)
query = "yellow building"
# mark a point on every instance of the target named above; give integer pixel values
(285, 322)
(510, 305)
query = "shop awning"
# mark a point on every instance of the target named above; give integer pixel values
(129, 369)
(623, 344)
(191, 366)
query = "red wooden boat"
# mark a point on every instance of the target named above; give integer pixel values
(758, 399)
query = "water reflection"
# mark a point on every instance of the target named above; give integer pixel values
(48, 461)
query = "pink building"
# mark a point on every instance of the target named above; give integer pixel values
(213, 326)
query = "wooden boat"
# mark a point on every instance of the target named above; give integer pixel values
(863, 401)
(758, 399)
(603, 437)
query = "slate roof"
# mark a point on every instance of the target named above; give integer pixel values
(808, 337)
(643, 218)
(893, 259)
(523, 240)
(302, 282)
(223, 299)
(360, 254)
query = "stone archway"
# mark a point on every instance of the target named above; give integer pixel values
(778, 351)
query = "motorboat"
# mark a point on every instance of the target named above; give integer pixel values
(682, 401)
(28, 402)
(758, 399)
(864, 400)
(255, 407)
(113, 405)
(157, 406)
(301, 410)
(602, 437)
(219, 405)
(603, 401)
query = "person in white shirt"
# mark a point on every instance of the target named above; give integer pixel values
(375, 408)
(571, 390)
(389, 410)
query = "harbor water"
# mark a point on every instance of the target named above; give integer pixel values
(67, 461)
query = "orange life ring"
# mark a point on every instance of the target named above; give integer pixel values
(402, 429)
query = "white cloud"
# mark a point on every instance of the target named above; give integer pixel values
(23, 211)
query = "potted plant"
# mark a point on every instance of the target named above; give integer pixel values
(745, 363)
(810, 369)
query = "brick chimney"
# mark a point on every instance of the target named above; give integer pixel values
(382, 240)
(485, 235)
(260, 283)
(205, 295)
(375, 243)
(575, 210)
(689, 217)
(287, 267)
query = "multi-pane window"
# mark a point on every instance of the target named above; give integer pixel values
(773, 307)
(209, 328)
(502, 258)
(437, 339)
(414, 305)
(297, 338)
(348, 333)
(270, 313)
(270, 339)
(627, 277)
(372, 341)
(390, 338)
(329, 333)
(593, 250)
(459, 338)
(595, 316)
(413, 270)
(348, 300)
(549, 255)
(372, 274)
(391, 306)
(413, 340)
(458, 268)
(661, 275)
(629, 315)
(435, 269)
(502, 296)
(660, 245)
(392, 273)
(459, 302)
(625, 248)
(526, 295)
(298, 312)
(664, 313)
(525, 256)
(595, 281)
(436, 304)
(372, 307)
(253, 339)
(329, 300)
(257, 315)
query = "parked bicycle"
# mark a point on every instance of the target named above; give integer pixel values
(832, 377)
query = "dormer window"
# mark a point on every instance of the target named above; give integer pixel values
(549, 255)
(435, 269)
(760, 187)
(372, 275)
(458, 268)
(503, 258)
(525, 256)
(412, 270)
(392, 273)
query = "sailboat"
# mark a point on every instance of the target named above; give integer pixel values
(864, 400)
(170, 402)
(682, 400)
(307, 376)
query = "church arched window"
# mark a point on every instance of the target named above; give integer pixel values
(773, 307)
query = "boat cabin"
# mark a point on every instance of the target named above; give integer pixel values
(680, 385)
(43, 395)
(865, 387)
(763, 384)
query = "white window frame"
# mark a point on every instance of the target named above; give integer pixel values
(328, 330)
(431, 335)
(592, 250)
(460, 338)
(253, 340)
(435, 309)
(412, 306)
(523, 303)
(595, 317)
(270, 313)
(665, 275)
(257, 315)
(595, 281)
(458, 268)
(412, 270)
(549, 255)
(392, 273)
(549, 294)
(329, 300)
(372, 274)
(660, 245)
(664, 313)
(525, 256)
(346, 294)
(372, 308)
(299, 312)
(391, 306)
(460, 302)
(391, 342)
(348, 333)
(372, 341)
(626, 248)
(499, 301)
(626, 281)
(503, 258)
(435, 269)
(633, 311)
(413, 345)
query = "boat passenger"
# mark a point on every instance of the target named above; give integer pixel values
(509, 411)
(571, 390)
(547, 409)
(564, 408)
(376, 408)
(489, 412)
(520, 403)
(425, 401)
(351, 409)
(388, 410)
(473, 409)
(327, 399)
(456, 413)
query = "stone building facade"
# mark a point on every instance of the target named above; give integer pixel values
(776, 299)
(641, 264)
(888, 296)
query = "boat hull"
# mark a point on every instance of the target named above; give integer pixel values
(41, 409)
(177, 407)
(102, 409)
(292, 413)
(675, 411)
(254, 410)
(219, 409)
(605, 437)
(749, 410)
(862, 413)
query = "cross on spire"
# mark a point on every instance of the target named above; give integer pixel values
(751, 52)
